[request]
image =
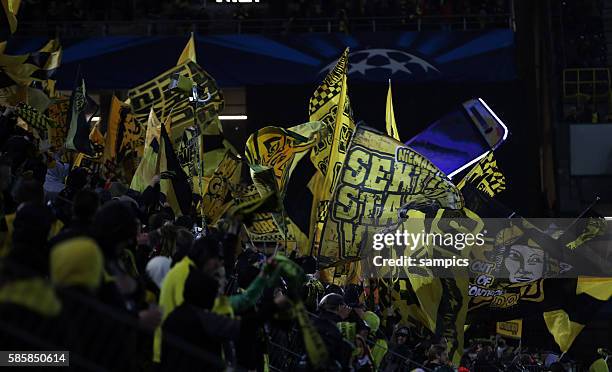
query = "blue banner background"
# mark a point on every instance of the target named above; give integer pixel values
(121, 62)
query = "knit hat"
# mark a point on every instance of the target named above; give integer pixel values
(77, 262)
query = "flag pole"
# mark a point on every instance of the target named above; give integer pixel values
(588, 208)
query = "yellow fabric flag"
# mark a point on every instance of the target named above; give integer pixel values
(485, 176)
(121, 134)
(510, 328)
(146, 169)
(390, 116)
(58, 113)
(379, 177)
(156, 94)
(189, 52)
(98, 141)
(35, 66)
(174, 182)
(93, 161)
(330, 105)
(279, 148)
(563, 329)
(149, 164)
(217, 198)
(327, 100)
(9, 9)
(153, 130)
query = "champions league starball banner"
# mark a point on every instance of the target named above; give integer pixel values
(425, 56)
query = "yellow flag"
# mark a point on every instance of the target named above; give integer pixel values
(153, 129)
(563, 329)
(35, 66)
(330, 104)
(390, 116)
(58, 112)
(279, 148)
(510, 328)
(147, 168)
(97, 141)
(485, 176)
(379, 177)
(323, 107)
(123, 134)
(189, 52)
(217, 198)
(156, 94)
(9, 9)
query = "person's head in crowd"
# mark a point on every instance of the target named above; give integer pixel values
(207, 254)
(5, 173)
(308, 263)
(30, 233)
(77, 178)
(334, 288)
(184, 221)
(248, 266)
(437, 354)
(36, 167)
(115, 228)
(104, 195)
(334, 303)
(184, 241)
(352, 293)
(117, 189)
(85, 205)
(18, 149)
(158, 220)
(129, 201)
(201, 289)
(157, 268)
(400, 337)
(363, 329)
(168, 211)
(77, 263)
(372, 320)
(28, 191)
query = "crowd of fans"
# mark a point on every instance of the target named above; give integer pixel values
(87, 10)
(91, 256)
(583, 31)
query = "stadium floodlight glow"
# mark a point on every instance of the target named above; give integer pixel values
(477, 159)
(233, 117)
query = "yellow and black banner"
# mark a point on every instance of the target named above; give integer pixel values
(35, 119)
(380, 176)
(26, 68)
(485, 176)
(262, 226)
(277, 148)
(167, 103)
(510, 328)
(58, 113)
(323, 106)
(330, 105)
(123, 135)
(8, 19)
(217, 198)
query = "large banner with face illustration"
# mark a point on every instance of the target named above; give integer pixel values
(514, 267)
(522, 269)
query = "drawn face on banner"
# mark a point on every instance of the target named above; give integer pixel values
(524, 264)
